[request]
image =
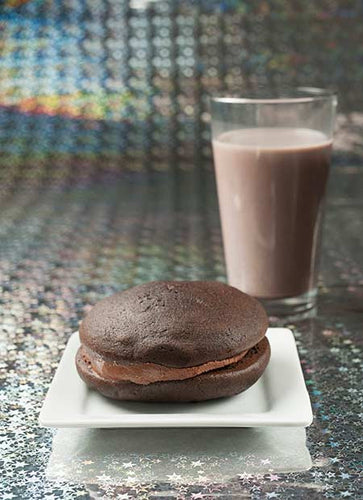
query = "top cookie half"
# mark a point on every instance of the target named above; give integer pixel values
(174, 323)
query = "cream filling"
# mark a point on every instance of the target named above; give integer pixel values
(149, 373)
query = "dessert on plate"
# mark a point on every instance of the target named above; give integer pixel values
(174, 341)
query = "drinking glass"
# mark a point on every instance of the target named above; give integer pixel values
(272, 159)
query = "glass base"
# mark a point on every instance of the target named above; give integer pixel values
(290, 306)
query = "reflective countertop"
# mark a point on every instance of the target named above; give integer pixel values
(66, 245)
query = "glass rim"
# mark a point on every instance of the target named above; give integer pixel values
(310, 94)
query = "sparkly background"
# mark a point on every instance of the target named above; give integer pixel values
(90, 86)
(106, 182)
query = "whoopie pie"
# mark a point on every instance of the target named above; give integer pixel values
(174, 341)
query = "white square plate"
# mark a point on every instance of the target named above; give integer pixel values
(279, 398)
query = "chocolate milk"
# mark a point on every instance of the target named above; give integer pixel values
(271, 184)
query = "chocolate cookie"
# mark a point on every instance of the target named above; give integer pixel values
(223, 382)
(174, 341)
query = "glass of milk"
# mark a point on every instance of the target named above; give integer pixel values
(272, 159)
